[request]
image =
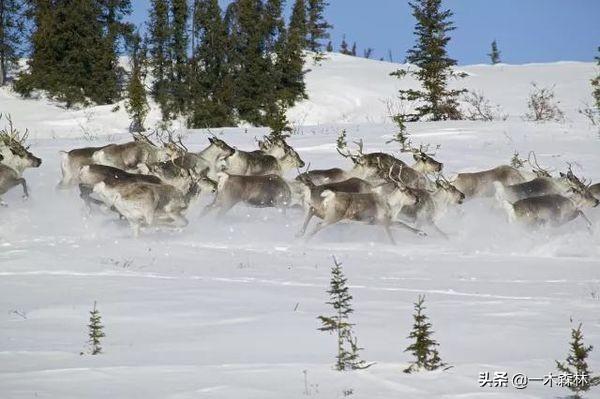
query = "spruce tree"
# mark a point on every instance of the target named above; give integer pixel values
(424, 347)
(347, 347)
(178, 68)
(329, 47)
(316, 25)
(137, 103)
(210, 77)
(59, 65)
(368, 52)
(158, 43)
(291, 59)
(353, 51)
(344, 47)
(12, 29)
(495, 54)
(596, 85)
(576, 366)
(115, 31)
(437, 102)
(253, 67)
(95, 331)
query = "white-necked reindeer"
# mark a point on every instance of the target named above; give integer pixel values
(15, 157)
(257, 163)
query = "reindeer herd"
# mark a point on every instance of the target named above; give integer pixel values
(150, 184)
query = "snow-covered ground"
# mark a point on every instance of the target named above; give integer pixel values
(228, 309)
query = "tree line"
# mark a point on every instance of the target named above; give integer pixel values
(211, 66)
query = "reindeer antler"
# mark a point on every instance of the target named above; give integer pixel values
(537, 169)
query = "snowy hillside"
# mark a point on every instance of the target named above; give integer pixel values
(228, 308)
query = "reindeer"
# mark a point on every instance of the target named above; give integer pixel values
(303, 185)
(277, 147)
(72, 162)
(15, 153)
(374, 167)
(144, 204)
(90, 175)
(257, 162)
(324, 176)
(432, 205)
(129, 155)
(539, 186)
(258, 191)
(14, 159)
(481, 184)
(376, 207)
(553, 209)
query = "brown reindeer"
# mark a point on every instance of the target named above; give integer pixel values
(257, 191)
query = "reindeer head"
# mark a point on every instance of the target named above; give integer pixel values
(277, 147)
(13, 150)
(358, 157)
(582, 197)
(205, 184)
(401, 195)
(454, 194)
(536, 168)
(226, 150)
(424, 160)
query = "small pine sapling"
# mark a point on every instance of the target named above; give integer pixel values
(341, 142)
(424, 347)
(95, 331)
(516, 161)
(347, 346)
(576, 364)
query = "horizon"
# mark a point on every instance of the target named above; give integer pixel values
(526, 34)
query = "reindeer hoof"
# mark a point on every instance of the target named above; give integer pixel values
(421, 233)
(25, 197)
(3, 204)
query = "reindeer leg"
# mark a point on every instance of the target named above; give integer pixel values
(411, 229)
(3, 204)
(309, 214)
(23, 183)
(320, 226)
(388, 232)
(587, 221)
(435, 226)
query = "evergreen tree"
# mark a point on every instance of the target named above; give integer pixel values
(434, 66)
(341, 300)
(210, 78)
(495, 54)
(344, 46)
(59, 65)
(368, 52)
(316, 25)
(291, 59)
(329, 48)
(253, 78)
(137, 103)
(158, 43)
(12, 27)
(596, 85)
(576, 364)
(115, 31)
(95, 331)
(353, 51)
(424, 347)
(177, 78)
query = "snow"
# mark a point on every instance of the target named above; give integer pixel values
(228, 309)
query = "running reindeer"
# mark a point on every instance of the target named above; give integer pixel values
(15, 157)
